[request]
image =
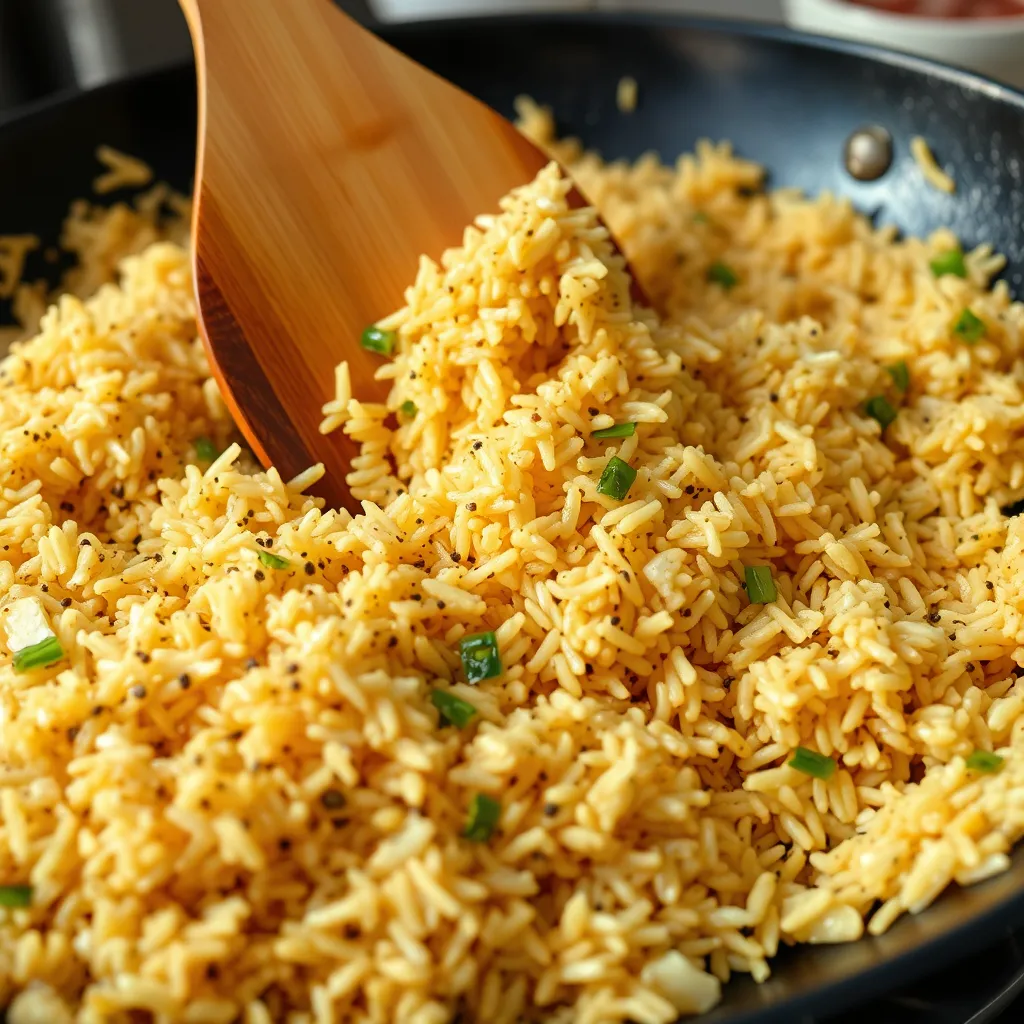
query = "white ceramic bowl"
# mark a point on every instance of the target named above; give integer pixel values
(993, 46)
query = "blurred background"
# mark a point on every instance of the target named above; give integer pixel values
(47, 46)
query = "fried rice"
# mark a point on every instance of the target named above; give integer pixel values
(760, 687)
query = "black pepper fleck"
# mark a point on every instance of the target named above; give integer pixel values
(332, 799)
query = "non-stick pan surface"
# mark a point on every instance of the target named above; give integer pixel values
(785, 100)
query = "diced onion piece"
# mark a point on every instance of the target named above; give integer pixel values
(687, 988)
(26, 624)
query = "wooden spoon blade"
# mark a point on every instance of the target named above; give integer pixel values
(328, 162)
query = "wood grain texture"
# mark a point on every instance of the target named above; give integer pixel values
(327, 163)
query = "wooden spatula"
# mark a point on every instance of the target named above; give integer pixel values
(328, 162)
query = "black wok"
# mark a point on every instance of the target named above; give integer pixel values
(785, 100)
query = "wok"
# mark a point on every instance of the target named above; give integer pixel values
(786, 100)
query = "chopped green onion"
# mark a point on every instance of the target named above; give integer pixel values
(480, 657)
(951, 262)
(206, 450)
(969, 328)
(900, 374)
(40, 655)
(721, 273)
(272, 561)
(15, 896)
(454, 710)
(376, 340)
(617, 478)
(984, 761)
(408, 408)
(879, 408)
(618, 430)
(484, 812)
(700, 217)
(810, 762)
(760, 585)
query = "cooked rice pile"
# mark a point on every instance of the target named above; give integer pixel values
(235, 799)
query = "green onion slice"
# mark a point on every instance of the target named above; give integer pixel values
(408, 408)
(484, 812)
(879, 408)
(984, 761)
(810, 762)
(15, 896)
(454, 710)
(723, 274)
(617, 430)
(760, 585)
(46, 652)
(900, 374)
(206, 450)
(480, 657)
(375, 340)
(617, 478)
(969, 328)
(951, 262)
(272, 561)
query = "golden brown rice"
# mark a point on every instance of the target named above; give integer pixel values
(626, 94)
(933, 173)
(123, 171)
(234, 800)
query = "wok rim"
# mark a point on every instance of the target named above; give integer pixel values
(950, 73)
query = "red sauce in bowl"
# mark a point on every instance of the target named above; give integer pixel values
(949, 8)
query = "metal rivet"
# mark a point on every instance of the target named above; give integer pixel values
(868, 152)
